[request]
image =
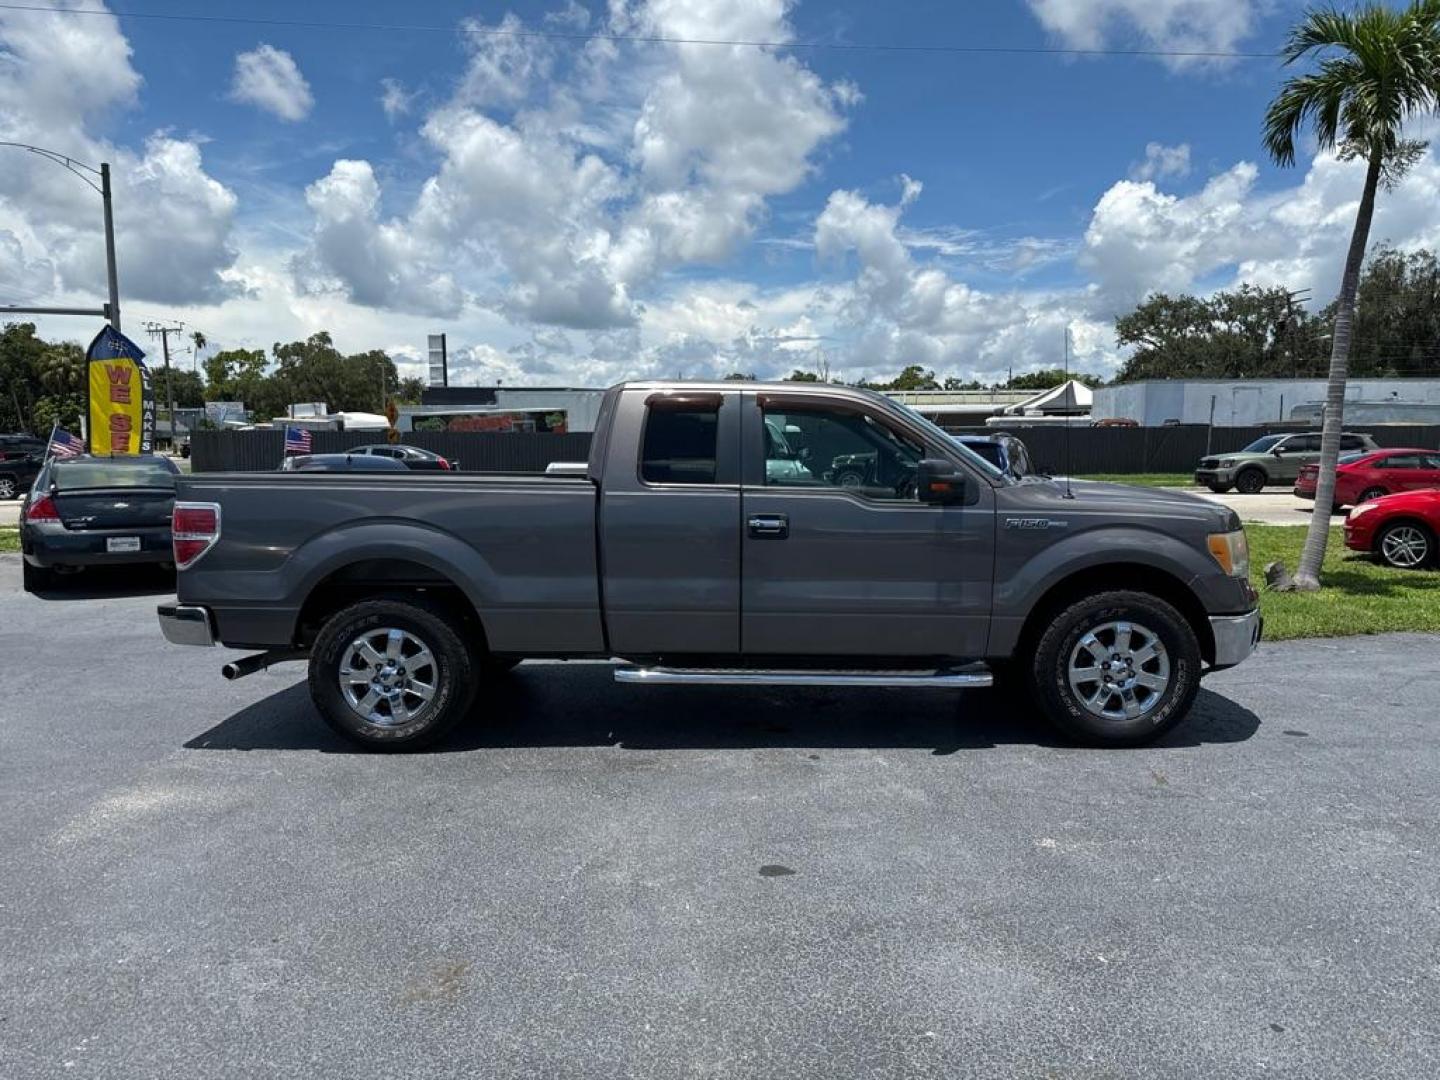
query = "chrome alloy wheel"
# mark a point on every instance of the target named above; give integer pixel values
(1119, 670)
(388, 677)
(1405, 546)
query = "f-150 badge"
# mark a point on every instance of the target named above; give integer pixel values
(1034, 523)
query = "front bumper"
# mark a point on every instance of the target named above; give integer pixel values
(1236, 637)
(1206, 477)
(185, 624)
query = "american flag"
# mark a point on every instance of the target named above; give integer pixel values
(297, 440)
(63, 444)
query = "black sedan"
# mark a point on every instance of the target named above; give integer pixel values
(95, 511)
(412, 457)
(21, 457)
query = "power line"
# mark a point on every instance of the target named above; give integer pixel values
(646, 39)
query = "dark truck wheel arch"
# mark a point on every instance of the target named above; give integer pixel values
(370, 579)
(1132, 577)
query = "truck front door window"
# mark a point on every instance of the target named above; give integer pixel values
(820, 448)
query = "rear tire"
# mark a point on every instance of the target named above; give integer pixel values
(1250, 481)
(1153, 684)
(391, 674)
(1405, 545)
(35, 578)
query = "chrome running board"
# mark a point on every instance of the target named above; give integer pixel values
(974, 676)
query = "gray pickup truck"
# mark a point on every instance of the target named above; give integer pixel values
(716, 537)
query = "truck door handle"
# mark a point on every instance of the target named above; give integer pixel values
(776, 526)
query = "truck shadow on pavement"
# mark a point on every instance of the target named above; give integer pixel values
(577, 705)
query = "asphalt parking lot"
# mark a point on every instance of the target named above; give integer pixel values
(198, 880)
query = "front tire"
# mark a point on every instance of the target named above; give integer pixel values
(1405, 545)
(1371, 494)
(1116, 669)
(9, 488)
(391, 674)
(1250, 481)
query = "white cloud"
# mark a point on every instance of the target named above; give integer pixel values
(1162, 162)
(1142, 240)
(614, 164)
(1179, 25)
(395, 100)
(59, 76)
(269, 79)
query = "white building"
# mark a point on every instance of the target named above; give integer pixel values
(1250, 402)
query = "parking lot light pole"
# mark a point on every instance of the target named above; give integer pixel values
(111, 311)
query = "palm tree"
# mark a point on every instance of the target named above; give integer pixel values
(197, 343)
(1378, 68)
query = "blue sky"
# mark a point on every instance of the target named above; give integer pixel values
(581, 211)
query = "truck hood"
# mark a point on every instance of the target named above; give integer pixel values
(1093, 497)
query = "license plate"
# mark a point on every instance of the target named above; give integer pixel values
(122, 543)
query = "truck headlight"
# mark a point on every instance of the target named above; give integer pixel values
(1232, 551)
(1227, 463)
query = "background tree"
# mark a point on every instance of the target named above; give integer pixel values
(1397, 315)
(1240, 333)
(913, 377)
(1378, 68)
(802, 376)
(20, 352)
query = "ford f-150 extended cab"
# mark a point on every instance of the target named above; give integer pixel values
(688, 549)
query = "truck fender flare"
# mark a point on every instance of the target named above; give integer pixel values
(386, 538)
(1097, 548)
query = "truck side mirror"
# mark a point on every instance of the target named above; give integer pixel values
(938, 481)
(1277, 452)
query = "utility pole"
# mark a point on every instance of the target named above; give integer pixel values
(1299, 296)
(163, 332)
(110, 276)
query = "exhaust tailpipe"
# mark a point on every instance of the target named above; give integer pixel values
(248, 665)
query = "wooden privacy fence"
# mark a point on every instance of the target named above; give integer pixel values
(1090, 450)
(476, 451)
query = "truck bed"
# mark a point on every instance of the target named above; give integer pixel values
(521, 547)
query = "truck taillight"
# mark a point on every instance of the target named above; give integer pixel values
(194, 528)
(42, 509)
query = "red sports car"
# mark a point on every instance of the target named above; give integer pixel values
(1362, 477)
(1401, 529)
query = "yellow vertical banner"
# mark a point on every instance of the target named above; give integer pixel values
(122, 408)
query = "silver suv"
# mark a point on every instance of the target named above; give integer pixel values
(1270, 459)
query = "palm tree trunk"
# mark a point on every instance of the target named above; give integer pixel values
(1307, 577)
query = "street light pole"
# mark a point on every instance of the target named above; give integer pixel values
(110, 311)
(113, 311)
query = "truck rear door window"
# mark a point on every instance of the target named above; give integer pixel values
(680, 444)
